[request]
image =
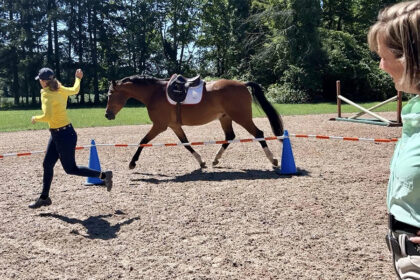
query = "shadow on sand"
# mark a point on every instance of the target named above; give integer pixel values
(96, 226)
(199, 175)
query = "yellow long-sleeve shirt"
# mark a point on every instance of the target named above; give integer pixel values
(54, 104)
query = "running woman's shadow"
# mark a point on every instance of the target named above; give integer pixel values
(96, 226)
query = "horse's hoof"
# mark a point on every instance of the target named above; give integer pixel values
(275, 162)
(132, 165)
(216, 162)
(203, 165)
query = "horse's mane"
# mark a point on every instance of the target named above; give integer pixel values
(141, 80)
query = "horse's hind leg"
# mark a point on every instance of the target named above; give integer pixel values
(153, 132)
(253, 129)
(183, 138)
(226, 123)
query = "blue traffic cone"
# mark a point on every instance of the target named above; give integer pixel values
(94, 164)
(288, 166)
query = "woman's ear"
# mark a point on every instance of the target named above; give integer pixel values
(42, 83)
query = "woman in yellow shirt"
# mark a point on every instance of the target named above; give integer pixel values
(63, 139)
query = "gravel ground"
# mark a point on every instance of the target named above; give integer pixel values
(167, 219)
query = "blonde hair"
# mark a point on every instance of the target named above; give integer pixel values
(53, 84)
(399, 27)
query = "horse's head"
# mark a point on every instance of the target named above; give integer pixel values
(116, 100)
(137, 87)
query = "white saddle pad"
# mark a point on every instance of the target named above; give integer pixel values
(194, 95)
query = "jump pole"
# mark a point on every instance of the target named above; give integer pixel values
(378, 120)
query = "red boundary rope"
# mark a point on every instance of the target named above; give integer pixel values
(323, 137)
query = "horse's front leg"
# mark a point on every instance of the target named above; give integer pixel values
(183, 138)
(154, 131)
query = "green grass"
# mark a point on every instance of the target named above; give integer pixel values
(16, 120)
(324, 108)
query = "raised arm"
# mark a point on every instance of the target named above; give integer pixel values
(76, 87)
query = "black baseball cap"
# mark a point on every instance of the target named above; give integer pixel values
(45, 74)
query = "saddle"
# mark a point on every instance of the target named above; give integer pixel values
(177, 90)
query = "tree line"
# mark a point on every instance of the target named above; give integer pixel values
(296, 49)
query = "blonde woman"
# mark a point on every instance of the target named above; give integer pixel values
(63, 139)
(395, 37)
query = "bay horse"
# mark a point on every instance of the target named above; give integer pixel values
(225, 100)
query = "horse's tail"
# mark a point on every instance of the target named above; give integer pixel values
(275, 119)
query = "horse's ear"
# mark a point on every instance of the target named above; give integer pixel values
(113, 83)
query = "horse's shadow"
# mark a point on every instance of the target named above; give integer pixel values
(199, 175)
(96, 226)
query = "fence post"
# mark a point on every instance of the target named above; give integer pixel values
(338, 90)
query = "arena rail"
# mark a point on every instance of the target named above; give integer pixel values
(212, 142)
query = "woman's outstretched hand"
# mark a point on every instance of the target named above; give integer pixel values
(79, 73)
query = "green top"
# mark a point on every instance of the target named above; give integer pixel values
(404, 181)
